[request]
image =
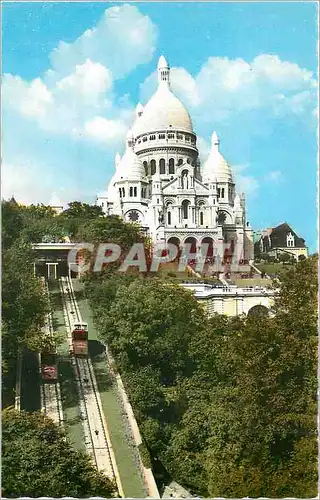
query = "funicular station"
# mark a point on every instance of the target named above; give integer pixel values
(52, 260)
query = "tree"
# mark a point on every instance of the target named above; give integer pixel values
(12, 223)
(263, 417)
(38, 212)
(79, 210)
(227, 405)
(284, 257)
(38, 460)
(45, 230)
(151, 322)
(110, 229)
(24, 302)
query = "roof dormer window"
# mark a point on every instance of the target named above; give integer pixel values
(290, 240)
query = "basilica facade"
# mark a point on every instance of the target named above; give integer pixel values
(160, 183)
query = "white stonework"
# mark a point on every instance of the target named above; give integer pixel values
(160, 183)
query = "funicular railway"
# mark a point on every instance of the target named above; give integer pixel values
(97, 438)
(51, 403)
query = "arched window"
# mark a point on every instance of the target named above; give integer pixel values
(134, 191)
(201, 218)
(169, 218)
(188, 160)
(145, 165)
(171, 166)
(120, 192)
(162, 166)
(123, 192)
(153, 167)
(131, 192)
(180, 161)
(185, 209)
(162, 136)
(222, 193)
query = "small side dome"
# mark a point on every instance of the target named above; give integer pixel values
(216, 166)
(130, 166)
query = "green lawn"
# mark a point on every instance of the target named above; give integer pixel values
(170, 270)
(124, 449)
(68, 386)
(273, 268)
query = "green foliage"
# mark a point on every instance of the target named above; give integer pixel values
(284, 257)
(37, 460)
(24, 303)
(110, 229)
(145, 455)
(79, 210)
(151, 322)
(228, 405)
(12, 223)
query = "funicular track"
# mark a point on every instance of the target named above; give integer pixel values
(50, 392)
(97, 438)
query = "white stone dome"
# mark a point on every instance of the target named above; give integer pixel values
(130, 166)
(164, 110)
(216, 168)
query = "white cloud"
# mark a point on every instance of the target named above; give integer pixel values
(274, 176)
(224, 88)
(122, 39)
(30, 99)
(89, 79)
(204, 148)
(105, 130)
(79, 85)
(245, 183)
(21, 179)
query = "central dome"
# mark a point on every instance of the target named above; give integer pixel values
(164, 110)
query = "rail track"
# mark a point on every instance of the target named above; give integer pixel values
(97, 438)
(51, 401)
(50, 392)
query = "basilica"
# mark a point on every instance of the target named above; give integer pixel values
(160, 183)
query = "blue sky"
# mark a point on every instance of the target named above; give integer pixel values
(73, 74)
